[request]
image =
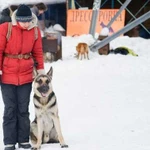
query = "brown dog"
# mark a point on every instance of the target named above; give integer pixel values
(82, 49)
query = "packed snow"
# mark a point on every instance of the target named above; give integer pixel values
(103, 102)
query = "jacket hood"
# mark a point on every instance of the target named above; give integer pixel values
(6, 12)
(33, 22)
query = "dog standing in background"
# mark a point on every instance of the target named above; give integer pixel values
(46, 126)
(82, 50)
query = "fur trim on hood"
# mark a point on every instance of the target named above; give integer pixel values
(33, 22)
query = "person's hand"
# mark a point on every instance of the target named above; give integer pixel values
(41, 71)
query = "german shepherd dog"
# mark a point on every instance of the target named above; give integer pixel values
(82, 49)
(46, 126)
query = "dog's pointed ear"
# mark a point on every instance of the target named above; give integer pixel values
(50, 72)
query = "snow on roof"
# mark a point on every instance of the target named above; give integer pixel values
(4, 3)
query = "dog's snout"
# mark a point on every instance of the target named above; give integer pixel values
(43, 89)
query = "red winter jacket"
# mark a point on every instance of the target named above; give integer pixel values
(21, 41)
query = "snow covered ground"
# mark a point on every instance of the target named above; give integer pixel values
(104, 102)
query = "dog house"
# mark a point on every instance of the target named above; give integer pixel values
(52, 44)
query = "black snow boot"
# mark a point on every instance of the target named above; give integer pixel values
(25, 146)
(10, 148)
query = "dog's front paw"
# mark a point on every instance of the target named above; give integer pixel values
(35, 148)
(64, 146)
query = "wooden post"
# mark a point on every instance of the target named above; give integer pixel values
(105, 49)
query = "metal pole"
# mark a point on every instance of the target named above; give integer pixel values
(139, 10)
(95, 12)
(103, 3)
(73, 4)
(112, 4)
(118, 13)
(77, 4)
(115, 16)
(122, 31)
(67, 8)
(134, 17)
(69, 4)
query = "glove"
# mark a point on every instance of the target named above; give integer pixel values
(41, 71)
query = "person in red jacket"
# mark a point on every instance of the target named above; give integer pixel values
(17, 55)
